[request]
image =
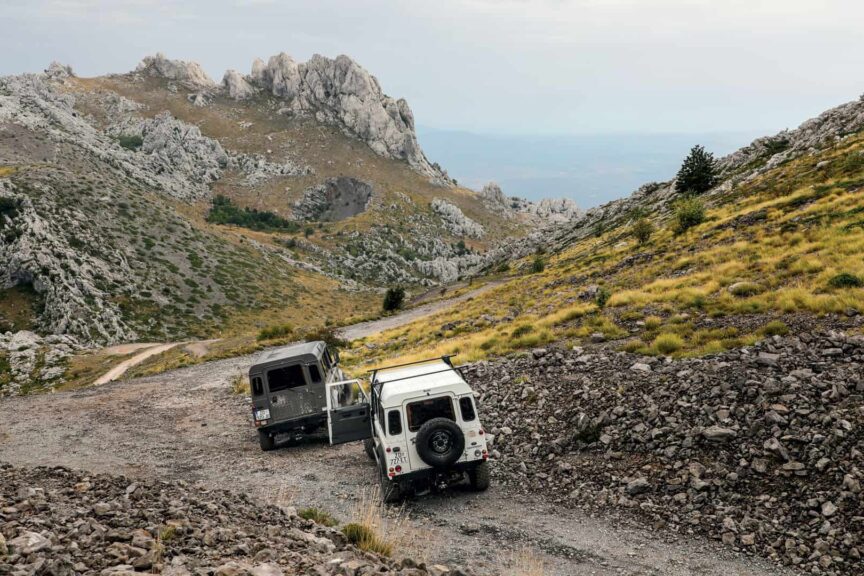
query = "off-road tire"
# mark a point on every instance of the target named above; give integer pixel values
(266, 441)
(391, 492)
(440, 442)
(479, 477)
(369, 448)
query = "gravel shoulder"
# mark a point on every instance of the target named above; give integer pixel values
(187, 425)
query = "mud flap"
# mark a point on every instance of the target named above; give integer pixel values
(348, 412)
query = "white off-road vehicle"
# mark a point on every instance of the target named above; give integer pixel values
(418, 421)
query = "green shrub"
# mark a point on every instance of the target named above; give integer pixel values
(689, 212)
(328, 335)
(667, 343)
(642, 229)
(317, 516)
(224, 211)
(277, 331)
(538, 265)
(845, 280)
(130, 141)
(775, 328)
(308, 231)
(393, 299)
(603, 295)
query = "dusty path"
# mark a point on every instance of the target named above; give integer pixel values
(121, 368)
(364, 329)
(187, 425)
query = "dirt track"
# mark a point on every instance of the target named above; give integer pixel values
(187, 425)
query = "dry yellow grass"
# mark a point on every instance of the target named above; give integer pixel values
(802, 230)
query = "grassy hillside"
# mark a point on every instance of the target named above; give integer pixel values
(781, 250)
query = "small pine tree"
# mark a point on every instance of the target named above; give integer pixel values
(538, 265)
(642, 230)
(698, 173)
(393, 299)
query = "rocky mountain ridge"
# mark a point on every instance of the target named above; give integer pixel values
(336, 91)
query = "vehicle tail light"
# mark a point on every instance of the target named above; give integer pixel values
(481, 432)
(398, 469)
(389, 450)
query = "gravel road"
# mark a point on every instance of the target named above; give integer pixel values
(187, 424)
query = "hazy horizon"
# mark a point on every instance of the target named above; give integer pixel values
(590, 169)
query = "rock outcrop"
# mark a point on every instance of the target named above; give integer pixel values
(760, 447)
(188, 74)
(455, 221)
(236, 86)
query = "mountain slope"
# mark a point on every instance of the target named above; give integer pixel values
(108, 188)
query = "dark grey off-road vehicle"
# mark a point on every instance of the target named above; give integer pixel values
(288, 387)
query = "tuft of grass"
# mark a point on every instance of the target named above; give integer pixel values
(521, 331)
(775, 328)
(667, 343)
(745, 289)
(167, 533)
(653, 322)
(318, 516)
(374, 528)
(527, 562)
(240, 385)
(845, 280)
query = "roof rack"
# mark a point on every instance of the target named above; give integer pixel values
(446, 358)
(450, 369)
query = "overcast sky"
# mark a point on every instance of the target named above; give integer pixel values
(505, 66)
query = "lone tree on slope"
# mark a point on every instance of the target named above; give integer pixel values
(698, 173)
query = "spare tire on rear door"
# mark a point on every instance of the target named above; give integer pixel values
(440, 442)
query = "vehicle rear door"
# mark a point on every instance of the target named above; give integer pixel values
(420, 410)
(288, 392)
(348, 412)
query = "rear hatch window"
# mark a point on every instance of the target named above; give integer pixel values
(421, 412)
(285, 377)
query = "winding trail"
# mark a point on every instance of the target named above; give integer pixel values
(121, 368)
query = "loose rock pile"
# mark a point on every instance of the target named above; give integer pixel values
(55, 522)
(761, 447)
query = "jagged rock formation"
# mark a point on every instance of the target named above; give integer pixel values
(760, 447)
(236, 86)
(337, 91)
(546, 212)
(70, 523)
(455, 221)
(335, 199)
(188, 74)
(35, 361)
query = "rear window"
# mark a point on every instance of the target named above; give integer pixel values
(467, 409)
(285, 377)
(394, 422)
(257, 386)
(421, 412)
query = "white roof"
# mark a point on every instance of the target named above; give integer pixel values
(419, 380)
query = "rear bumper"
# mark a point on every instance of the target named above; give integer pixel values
(294, 424)
(431, 473)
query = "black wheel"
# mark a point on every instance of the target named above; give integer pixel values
(369, 448)
(440, 442)
(390, 490)
(266, 441)
(479, 477)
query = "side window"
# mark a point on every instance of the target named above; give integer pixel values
(394, 422)
(257, 386)
(314, 373)
(285, 377)
(325, 358)
(467, 409)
